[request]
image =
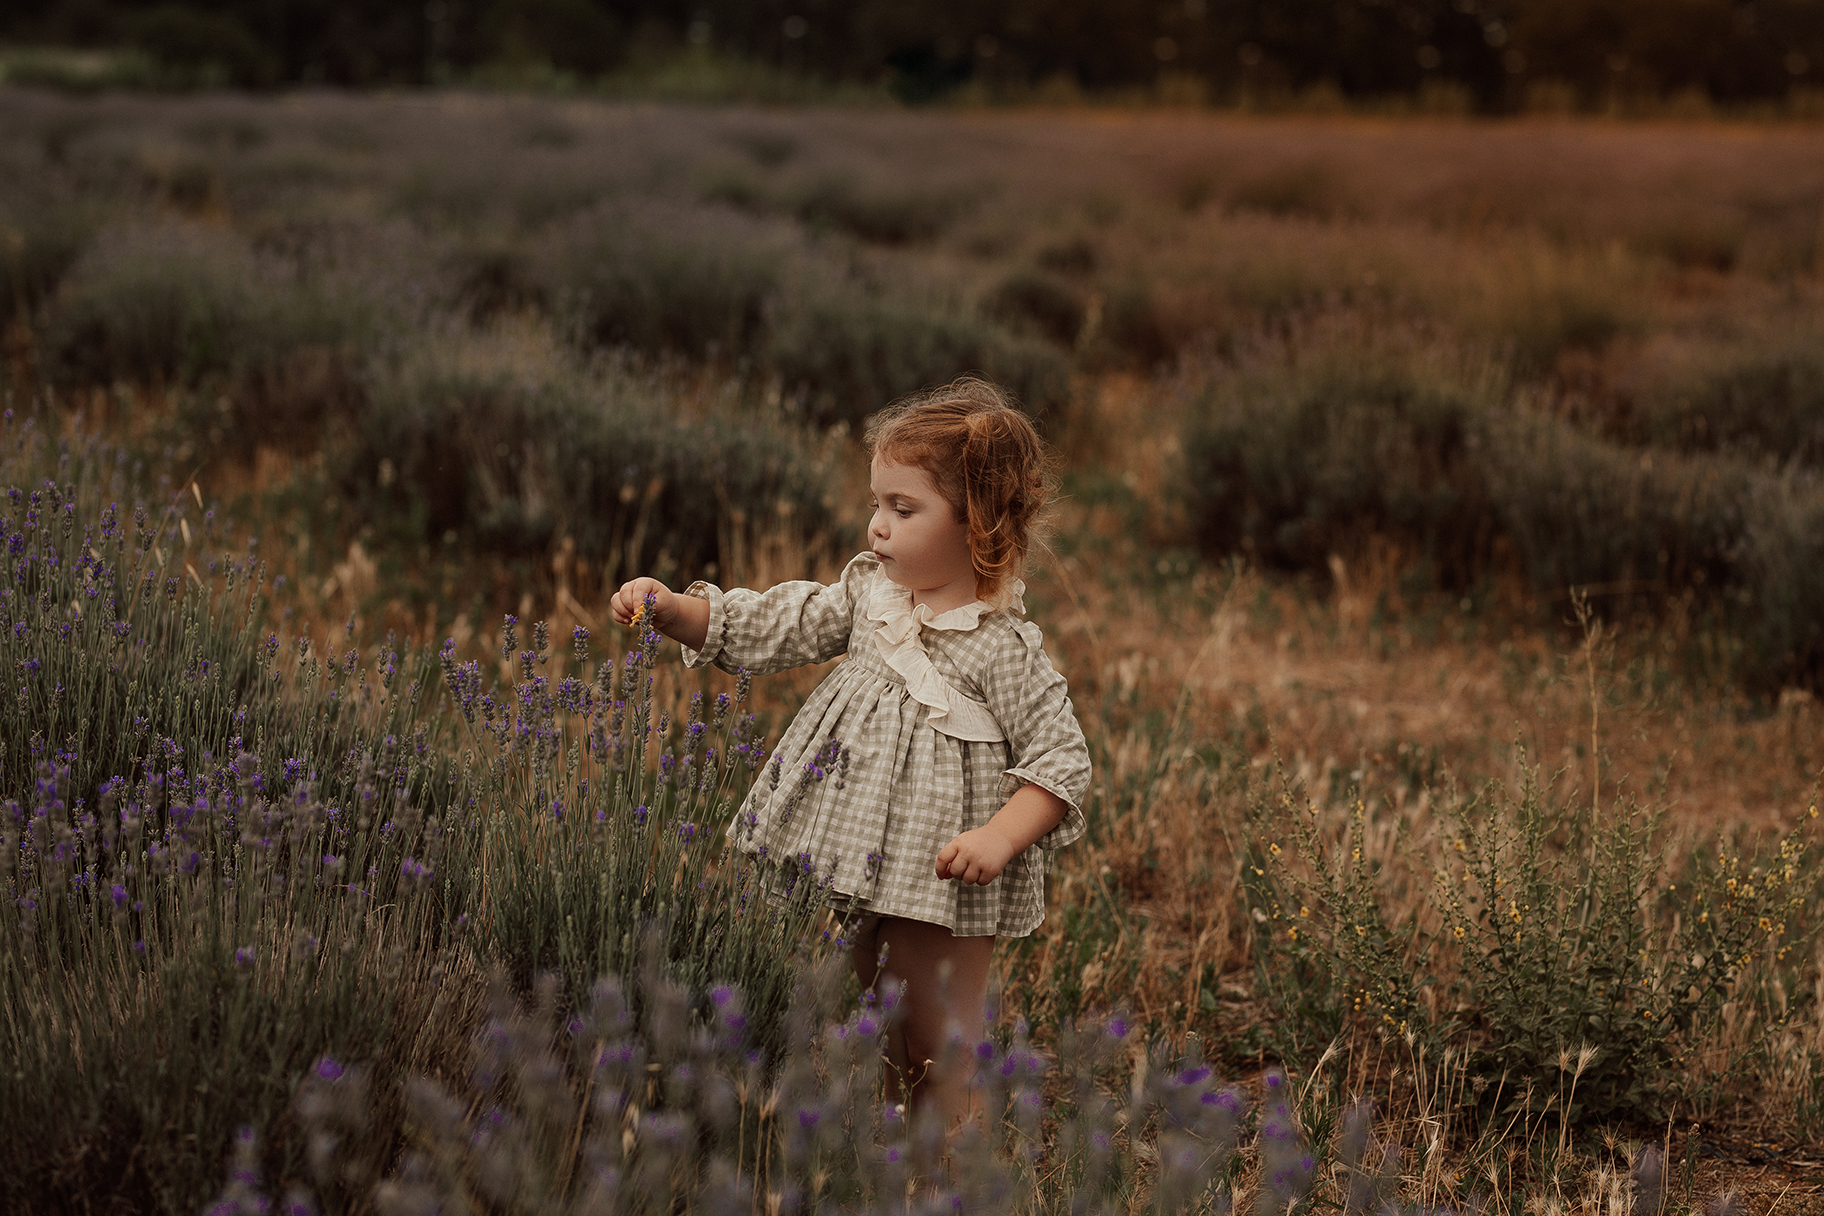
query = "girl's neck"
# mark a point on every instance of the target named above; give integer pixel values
(942, 599)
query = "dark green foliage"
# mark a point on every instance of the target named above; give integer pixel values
(1783, 565)
(1131, 331)
(170, 305)
(199, 48)
(571, 35)
(919, 55)
(494, 279)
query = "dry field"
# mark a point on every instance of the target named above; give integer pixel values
(1542, 514)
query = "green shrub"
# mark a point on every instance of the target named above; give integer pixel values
(165, 304)
(514, 458)
(1759, 399)
(1131, 330)
(847, 352)
(1039, 303)
(1572, 963)
(1537, 303)
(1309, 446)
(883, 213)
(1583, 511)
(183, 304)
(1783, 562)
(41, 237)
(692, 280)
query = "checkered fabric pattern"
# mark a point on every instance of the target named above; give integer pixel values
(861, 790)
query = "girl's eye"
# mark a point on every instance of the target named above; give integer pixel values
(905, 512)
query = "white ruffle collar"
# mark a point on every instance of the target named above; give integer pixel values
(899, 624)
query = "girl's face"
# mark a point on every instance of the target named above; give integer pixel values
(918, 538)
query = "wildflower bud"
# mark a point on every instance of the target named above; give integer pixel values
(509, 636)
(579, 644)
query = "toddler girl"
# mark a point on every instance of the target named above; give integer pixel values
(962, 752)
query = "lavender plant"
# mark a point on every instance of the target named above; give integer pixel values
(213, 864)
(601, 817)
(629, 1106)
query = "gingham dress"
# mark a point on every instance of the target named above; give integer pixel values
(863, 790)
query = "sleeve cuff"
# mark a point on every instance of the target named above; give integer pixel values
(717, 634)
(1070, 828)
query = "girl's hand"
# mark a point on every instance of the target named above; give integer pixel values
(628, 601)
(976, 857)
(682, 618)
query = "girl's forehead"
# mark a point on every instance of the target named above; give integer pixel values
(888, 477)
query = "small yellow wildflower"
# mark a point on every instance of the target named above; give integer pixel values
(1273, 849)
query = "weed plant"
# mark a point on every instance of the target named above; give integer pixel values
(1549, 932)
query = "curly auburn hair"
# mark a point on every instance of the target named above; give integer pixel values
(985, 458)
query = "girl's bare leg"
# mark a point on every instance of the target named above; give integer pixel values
(946, 983)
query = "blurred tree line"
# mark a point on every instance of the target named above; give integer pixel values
(1489, 51)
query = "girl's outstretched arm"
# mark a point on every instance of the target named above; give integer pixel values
(980, 855)
(682, 618)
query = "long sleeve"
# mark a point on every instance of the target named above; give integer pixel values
(790, 625)
(1030, 700)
